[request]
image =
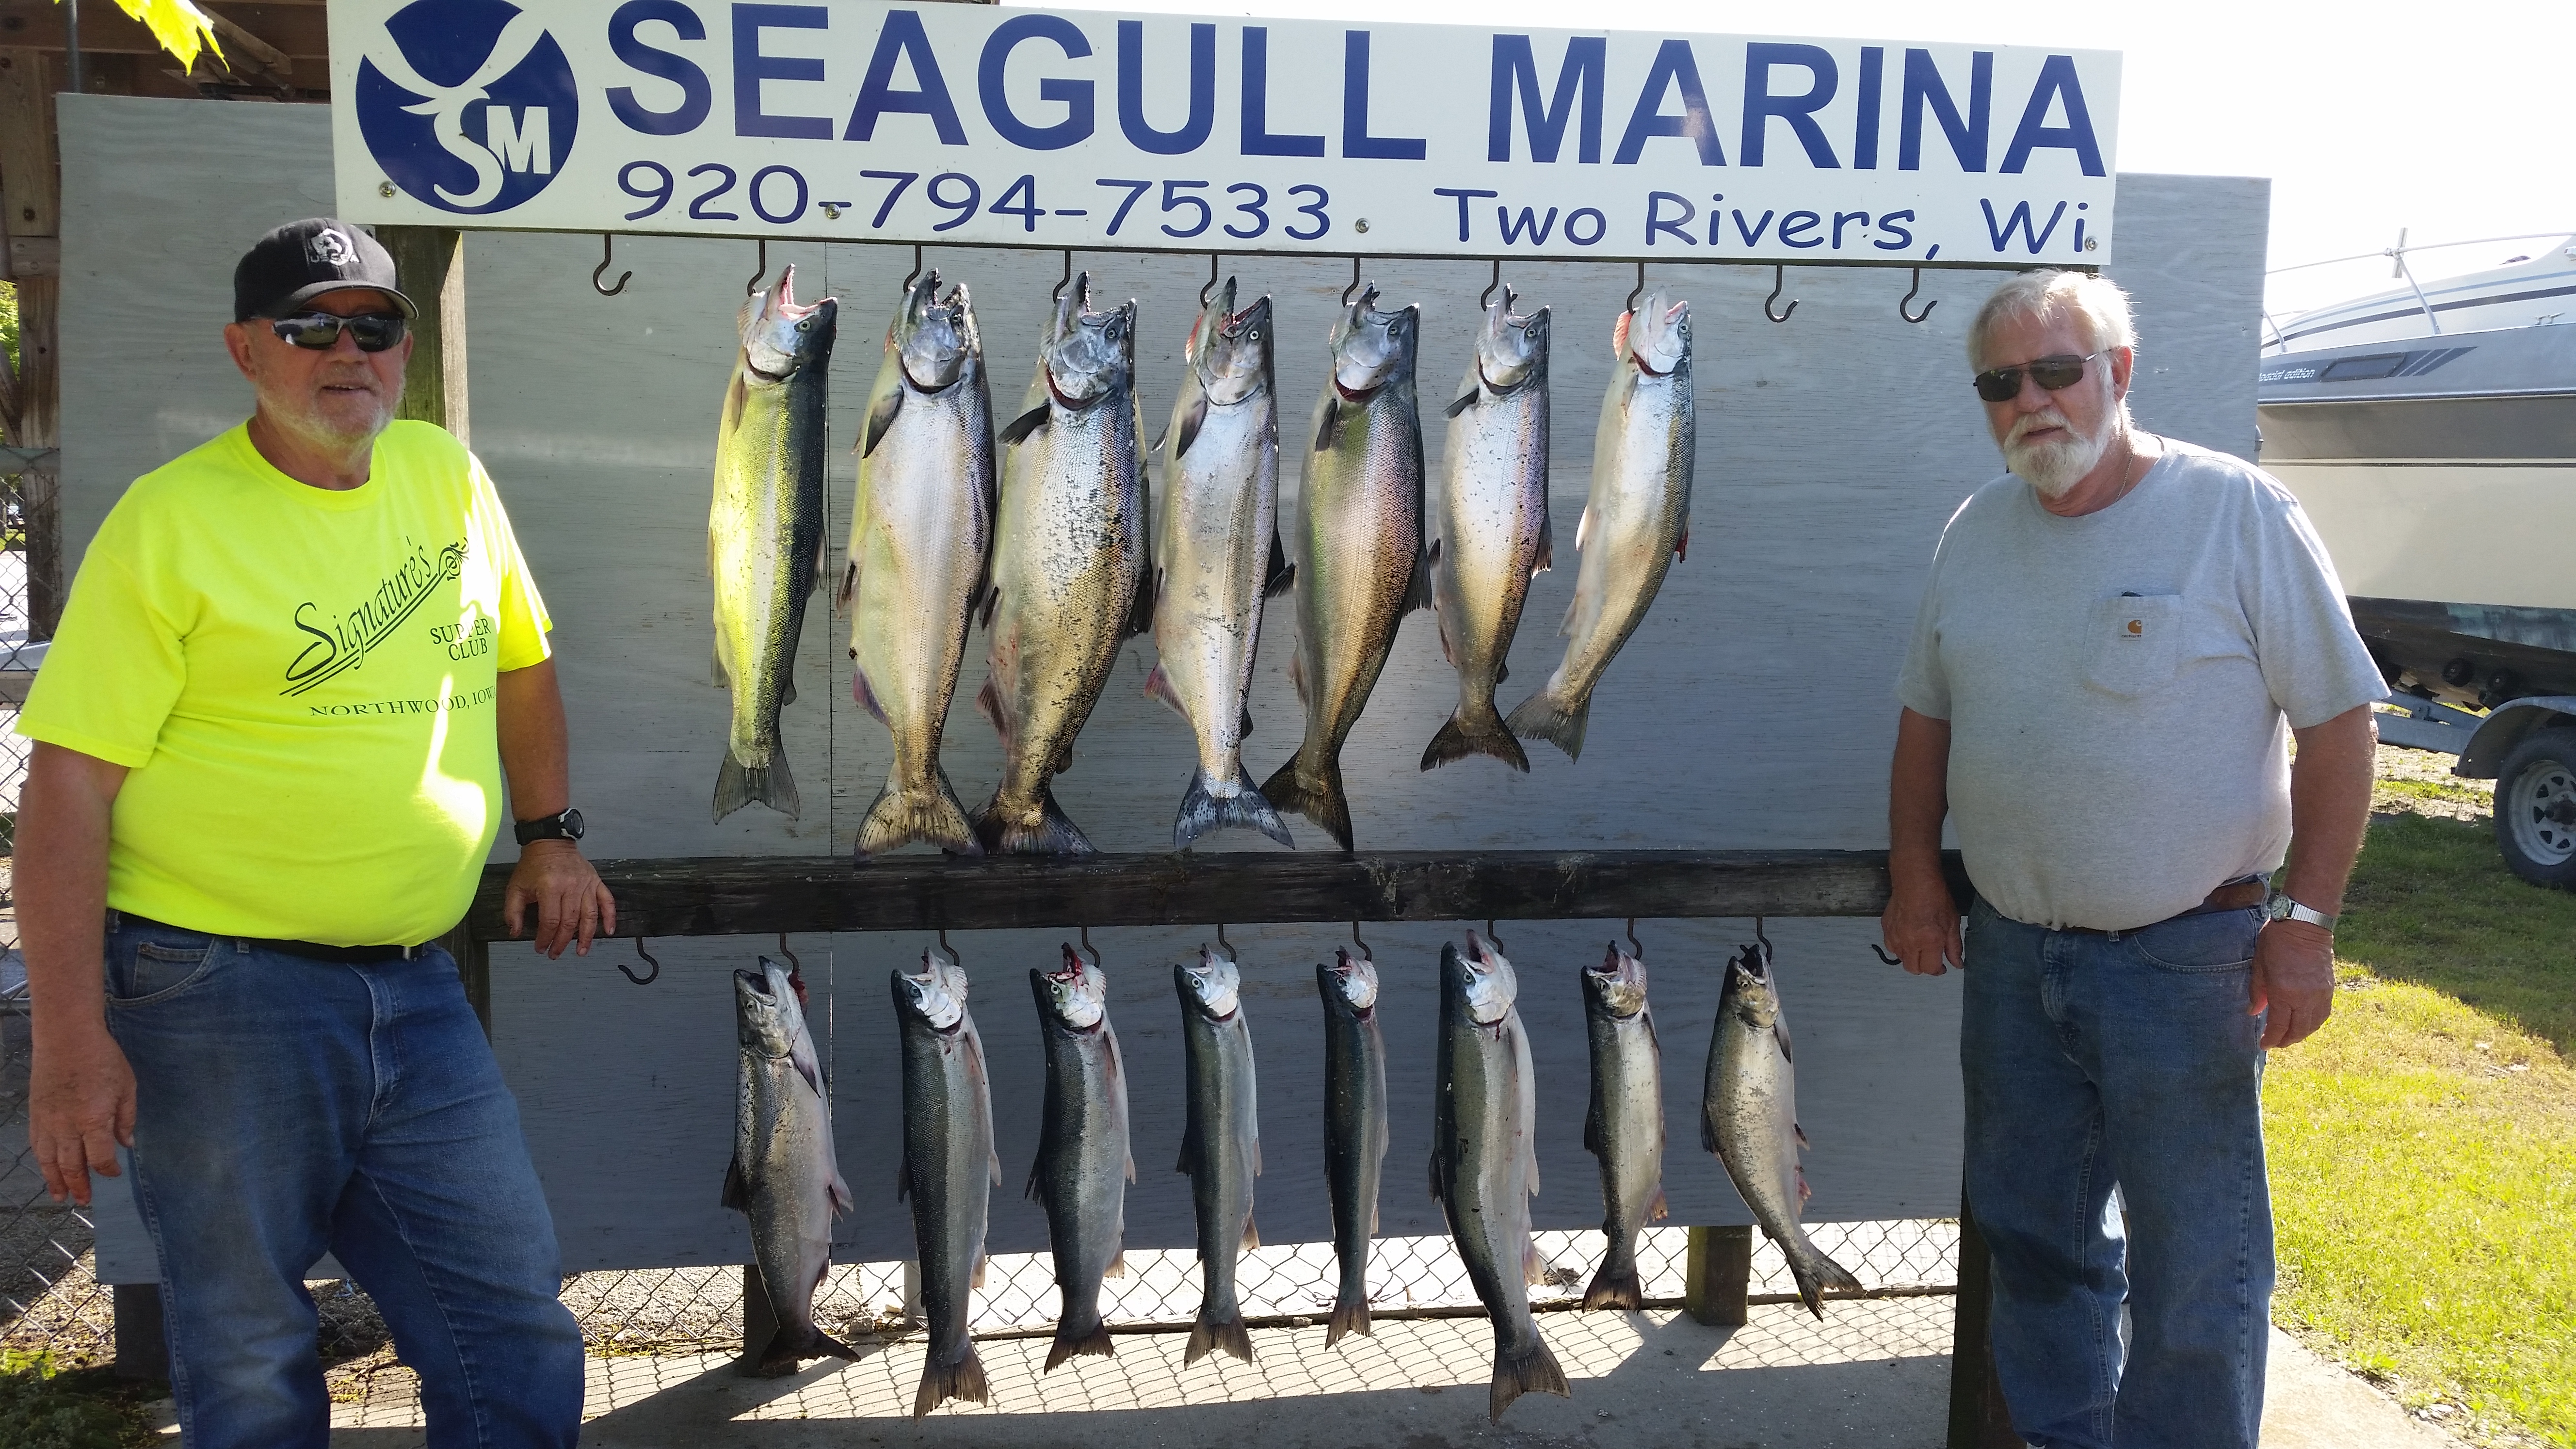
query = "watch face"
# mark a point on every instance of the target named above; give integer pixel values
(572, 824)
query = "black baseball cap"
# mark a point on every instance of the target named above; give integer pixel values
(304, 259)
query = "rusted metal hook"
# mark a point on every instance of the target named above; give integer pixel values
(752, 287)
(1915, 316)
(648, 960)
(1779, 281)
(608, 254)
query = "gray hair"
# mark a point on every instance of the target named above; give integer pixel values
(2096, 303)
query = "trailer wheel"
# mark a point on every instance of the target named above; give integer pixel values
(2535, 808)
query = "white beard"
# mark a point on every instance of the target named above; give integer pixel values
(2054, 468)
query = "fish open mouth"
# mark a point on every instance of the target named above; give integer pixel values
(786, 303)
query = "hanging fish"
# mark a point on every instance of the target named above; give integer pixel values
(1749, 1118)
(1624, 1127)
(1216, 555)
(1357, 544)
(1489, 526)
(949, 1169)
(765, 532)
(1637, 520)
(1070, 573)
(1355, 1126)
(783, 1175)
(1221, 1144)
(1083, 1165)
(1484, 1159)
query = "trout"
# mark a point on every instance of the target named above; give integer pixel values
(1489, 526)
(1749, 1118)
(783, 1175)
(1083, 1165)
(1355, 1126)
(949, 1169)
(1625, 1126)
(1221, 1144)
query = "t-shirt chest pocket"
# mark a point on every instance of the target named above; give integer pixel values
(2134, 644)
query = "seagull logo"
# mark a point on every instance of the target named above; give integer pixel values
(468, 105)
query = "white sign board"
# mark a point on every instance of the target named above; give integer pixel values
(975, 125)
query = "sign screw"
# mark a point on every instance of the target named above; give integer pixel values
(385, 189)
(2092, 244)
(831, 210)
(1360, 225)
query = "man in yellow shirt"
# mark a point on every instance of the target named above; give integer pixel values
(270, 742)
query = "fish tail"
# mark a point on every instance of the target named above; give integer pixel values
(899, 816)
(791, 1345)
(1530, 1369)
(738, 785)
(1202, 812)
(1547, 716)
(1073, 1340)
(941, 1382)
(1815, 1273)
(1616, 1285)
(1211, 1333)
(1350, 1315)
(1317, 795)
(1475, 731)
(1051, 833)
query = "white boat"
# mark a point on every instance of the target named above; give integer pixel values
(2430, 432)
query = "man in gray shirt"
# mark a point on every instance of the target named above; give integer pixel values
(2114, 637)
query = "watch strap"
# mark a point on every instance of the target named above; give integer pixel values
(2283, 908)
(562, 825)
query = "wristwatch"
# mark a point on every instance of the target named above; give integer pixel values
(566, 826)
(2282, 908)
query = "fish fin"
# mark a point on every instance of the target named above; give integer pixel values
(898, 817)
(1533, 1267)
(1545, 562)
(1801, 1135)
(1243, 731)
(1479, 733)
(1780, 1034)
(1187, 424)
(1583, 528)
(1017, 430)
(1708, 1131)
(1465, 401)
(940, 1382)
(903, 1179)
(997, 713)
(1036, 1172)
(1331, 415)
(1281, 573)
(716, 670)
(1158, 685)
(1530, 1370)
(1350, 1315)
(1117, 1266)
(1616, 1285)
(1543, 716)
(1815, 1272)
(1202, 812)
(1140, 609)
(791, 1345)
(1804, 1192)
(843, 1200)
(1417, 594)
(773, 787)
(1208, 1336)
(1594, 1140)
(881, 414)
(1297, 676)
(849, 588)
(983, 1261)
(786, 692)
(1681, 546)
(1439, 1184)
(1071, 1343)
(737, 1188)
(865, 695)
(1251, 1234)
(992, 599)
(1319, 799)
(1657, 1208)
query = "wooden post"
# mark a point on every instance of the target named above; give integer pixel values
(1719, 1275)
(142, 1340)
(430, 261)
(31, 198)
(759, 1320)
(1978, 1419)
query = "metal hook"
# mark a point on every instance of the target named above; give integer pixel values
(793, 965)
(1363, 945)
(1634, 949)
(647, 955)
(1779, 280)
(914, 275)
(1486, 299)
(1493, 938)
(1640, 287)
(752, 287)
(1087, 946)
(1203, 301)
(1221, 940)
(1915, 316)
(947, 950)
(1883, 958)
(1355, 282)
(608, 253)
(1757, 935)
(1061, 282)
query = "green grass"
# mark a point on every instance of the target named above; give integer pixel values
(42, 1408)
(2423, 1144)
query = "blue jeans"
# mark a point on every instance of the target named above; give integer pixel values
(2115, 1159)
(286, 1105)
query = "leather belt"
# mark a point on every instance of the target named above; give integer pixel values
(2236, 895)
(309, 950)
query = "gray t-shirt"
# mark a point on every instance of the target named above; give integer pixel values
(2116, 686)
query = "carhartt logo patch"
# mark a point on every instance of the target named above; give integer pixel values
(331, 248)
(2137, 628)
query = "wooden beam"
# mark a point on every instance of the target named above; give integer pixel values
(760, 895)
(28, 184)
(31, 195)
(430, 261)
(1718, 1276)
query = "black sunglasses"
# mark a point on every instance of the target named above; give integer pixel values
(2003, 384)
(320, 331)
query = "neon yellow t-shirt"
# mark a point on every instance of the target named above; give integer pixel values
(301, 682)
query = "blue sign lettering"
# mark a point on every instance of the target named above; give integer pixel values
(1673, 67)
(902, 39)
(696, 95)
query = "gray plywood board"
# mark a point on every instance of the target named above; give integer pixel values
(1753, 709)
